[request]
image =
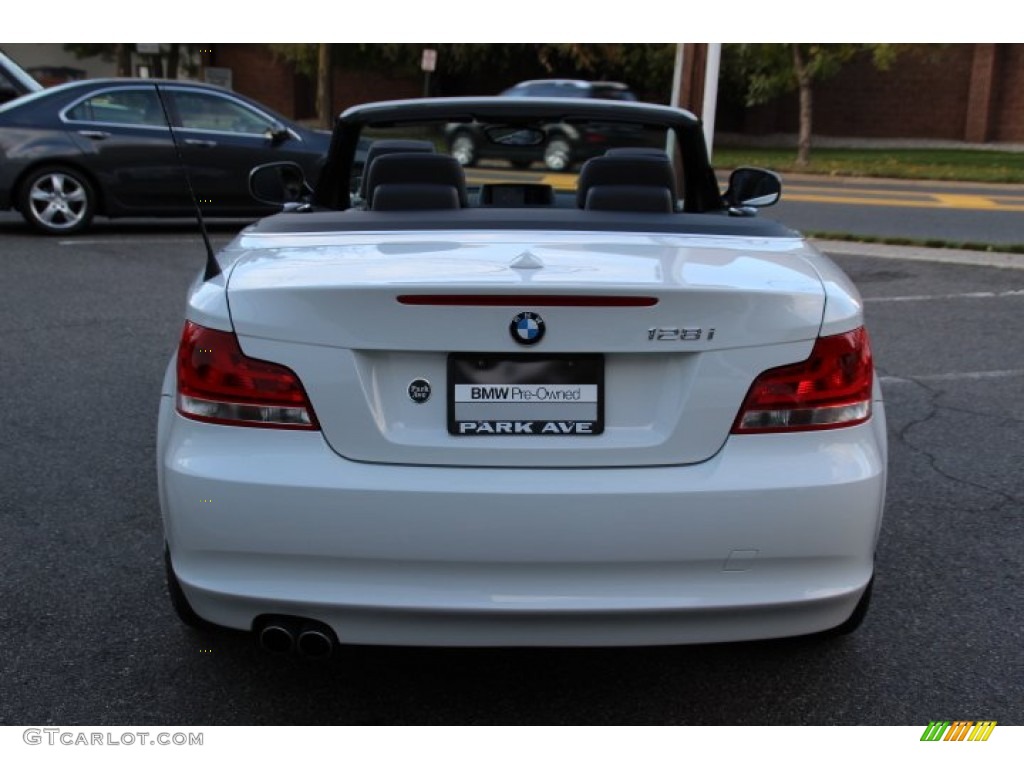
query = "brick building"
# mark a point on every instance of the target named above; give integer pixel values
(970, 92)
(257, 72)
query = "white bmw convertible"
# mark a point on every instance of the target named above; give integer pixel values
(520, 408)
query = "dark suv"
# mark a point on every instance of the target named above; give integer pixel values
(561, 145)
(572, 89)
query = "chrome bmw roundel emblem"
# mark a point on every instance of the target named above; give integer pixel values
(527, 328)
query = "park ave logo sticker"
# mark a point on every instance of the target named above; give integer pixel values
(419, 390)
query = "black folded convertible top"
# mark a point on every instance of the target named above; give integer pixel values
(543, 219)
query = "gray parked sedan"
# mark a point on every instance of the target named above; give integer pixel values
(103, 147)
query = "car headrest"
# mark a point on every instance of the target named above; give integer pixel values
(416, 168)
(628, 197)
(388, 147)
(626, 169)
(651, 151)
(415, 197)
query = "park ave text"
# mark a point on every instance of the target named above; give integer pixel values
(526, 428)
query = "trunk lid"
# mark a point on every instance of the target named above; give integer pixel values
(677, 327)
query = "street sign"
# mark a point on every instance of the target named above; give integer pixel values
(218, 76)
(429, 61)
(147, 47)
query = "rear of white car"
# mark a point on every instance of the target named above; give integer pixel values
(522, 438)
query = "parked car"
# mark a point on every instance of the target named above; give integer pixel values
(565, 143)
(571, 89)
(421, 413)
(15, 81)
(103, 147)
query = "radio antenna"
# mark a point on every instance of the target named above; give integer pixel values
(212, 267)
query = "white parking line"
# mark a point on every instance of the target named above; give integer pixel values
(948, 296)
(914, 253)
(964, 376)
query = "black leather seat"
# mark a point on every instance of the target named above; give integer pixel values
(651, 151)
(633, 172)
(411, 171)
(389, 147)
(415, 197)
(629, 197)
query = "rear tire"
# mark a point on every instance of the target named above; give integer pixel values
(463, 148)
(558, 155)
(57, 200)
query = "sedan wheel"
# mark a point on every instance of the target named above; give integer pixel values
(58, 201)
(463, 149)
(557, 155)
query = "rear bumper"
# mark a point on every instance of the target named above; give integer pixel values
(774, 536)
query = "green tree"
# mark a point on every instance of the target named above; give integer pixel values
(167, 63)
(490, 67)
(119, 52)
(316, 61)
(769, 70)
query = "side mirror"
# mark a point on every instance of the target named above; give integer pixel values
(279, 184)
(276, 133)
(752, 188)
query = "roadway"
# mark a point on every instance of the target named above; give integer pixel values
(919, 210)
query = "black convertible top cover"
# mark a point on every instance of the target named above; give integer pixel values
(553, 220)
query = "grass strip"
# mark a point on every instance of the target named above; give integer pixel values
(848, 237)
(934, 164)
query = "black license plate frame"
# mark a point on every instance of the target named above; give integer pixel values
(525, 394)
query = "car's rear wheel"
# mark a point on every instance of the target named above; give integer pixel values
(463, 149)
(57, 200)
(557, 155)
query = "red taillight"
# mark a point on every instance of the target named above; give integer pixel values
(831, 388)
(219, 384)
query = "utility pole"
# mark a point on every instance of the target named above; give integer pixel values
(695, 83)
(325, 86)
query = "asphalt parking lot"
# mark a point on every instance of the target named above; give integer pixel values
(87, 634)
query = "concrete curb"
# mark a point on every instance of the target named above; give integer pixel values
(839, 180)
(916, 253)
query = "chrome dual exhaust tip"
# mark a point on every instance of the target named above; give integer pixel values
(284, 635)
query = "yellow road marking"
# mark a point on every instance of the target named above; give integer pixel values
(804, 193)
(563, 182)
(800, 188)
(961, 202)
(966, 201)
